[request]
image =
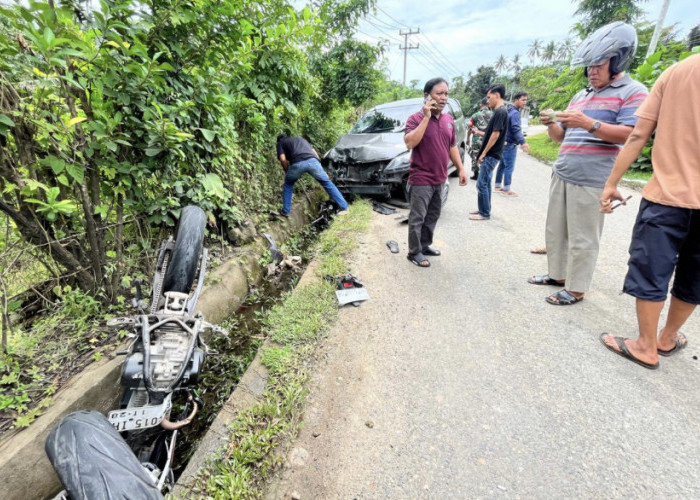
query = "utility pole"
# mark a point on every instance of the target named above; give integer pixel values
(406, 47)
(657, 30)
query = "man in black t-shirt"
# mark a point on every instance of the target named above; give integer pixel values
(491, 149)
(297, 158)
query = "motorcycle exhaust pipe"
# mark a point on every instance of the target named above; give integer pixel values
(172, 426)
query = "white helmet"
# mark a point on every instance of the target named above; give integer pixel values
(615, 41)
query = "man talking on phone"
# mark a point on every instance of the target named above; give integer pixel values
(430, 134)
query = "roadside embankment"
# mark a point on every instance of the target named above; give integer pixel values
(25, 471)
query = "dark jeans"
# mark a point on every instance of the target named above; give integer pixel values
(483, 185)
(426, 205)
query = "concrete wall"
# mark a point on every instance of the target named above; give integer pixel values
(25, 471)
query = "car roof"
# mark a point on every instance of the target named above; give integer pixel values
(404, 102)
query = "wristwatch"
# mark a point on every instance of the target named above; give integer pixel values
(596, 126)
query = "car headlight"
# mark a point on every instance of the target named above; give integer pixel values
(401, 162)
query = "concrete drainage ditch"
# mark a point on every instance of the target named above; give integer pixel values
(25, 471)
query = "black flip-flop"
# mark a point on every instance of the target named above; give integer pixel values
(432, 252)
(393, 246)
(544, 280)
(418, 259)
(563, 298)
(681, 342)
(625, 352)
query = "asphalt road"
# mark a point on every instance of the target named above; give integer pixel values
(460, 381)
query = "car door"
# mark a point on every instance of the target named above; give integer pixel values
(460, 122)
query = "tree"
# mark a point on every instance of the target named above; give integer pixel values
(565, 49)
(501, 63)
(549, 53)
(515, 64)
(597, 13)
(534, 50)
(694, 37)
(477, 85)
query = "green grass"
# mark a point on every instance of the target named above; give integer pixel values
(295, 326)
(543, 148)
(637, 175)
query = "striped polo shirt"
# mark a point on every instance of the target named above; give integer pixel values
(584, 159)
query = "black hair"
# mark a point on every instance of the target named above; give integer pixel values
(520, 94)
(431, 83)
(484, 102)
(497, 88)
(280, 137)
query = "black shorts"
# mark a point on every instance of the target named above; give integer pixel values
(664, 238)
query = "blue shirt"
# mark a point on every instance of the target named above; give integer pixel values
(515, 133)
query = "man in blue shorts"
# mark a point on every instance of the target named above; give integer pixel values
(666, 236)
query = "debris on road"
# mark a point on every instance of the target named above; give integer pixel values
(350, 290)
(382, 209)
(393, 246)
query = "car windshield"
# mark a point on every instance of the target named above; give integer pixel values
(384, 120)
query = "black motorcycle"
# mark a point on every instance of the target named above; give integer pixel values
(130, 453)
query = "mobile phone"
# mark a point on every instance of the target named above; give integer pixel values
(620, 203)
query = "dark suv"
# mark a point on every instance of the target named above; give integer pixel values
(373, 159)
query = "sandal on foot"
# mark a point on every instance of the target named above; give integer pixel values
(478, 217)
(509, 193)
(475, 212)
(419, 260)
(539, 251)
(433, 252)
(563, 298)
(393, 246)
(681, 342)
(624, 351)
(544, 280)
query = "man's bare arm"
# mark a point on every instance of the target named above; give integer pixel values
(492, 140)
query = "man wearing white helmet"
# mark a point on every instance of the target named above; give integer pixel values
(597, 121)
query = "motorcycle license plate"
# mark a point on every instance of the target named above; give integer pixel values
(142, 417)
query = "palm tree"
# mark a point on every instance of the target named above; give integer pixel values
(515, 64)
(549, 53)
(565, 49)
(535, 50)
(501, 63)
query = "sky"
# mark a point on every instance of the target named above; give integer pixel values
(458, 36)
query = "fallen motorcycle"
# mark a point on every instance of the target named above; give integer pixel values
(130, 453)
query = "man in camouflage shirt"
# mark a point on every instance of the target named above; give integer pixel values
(478, 123)
(477, 127)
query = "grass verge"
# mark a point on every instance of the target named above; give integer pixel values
(543, 148)
(295, 326)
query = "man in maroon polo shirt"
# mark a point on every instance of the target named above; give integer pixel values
(430, 133)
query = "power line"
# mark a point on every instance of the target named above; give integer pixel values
(433, 63)
(444, 64)
(430, 42)
(387, 25)
(384, 32)
(387, 15)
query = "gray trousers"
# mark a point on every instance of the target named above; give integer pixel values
(426, 205)
(573, 230)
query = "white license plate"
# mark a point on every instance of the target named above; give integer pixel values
(142, 417)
